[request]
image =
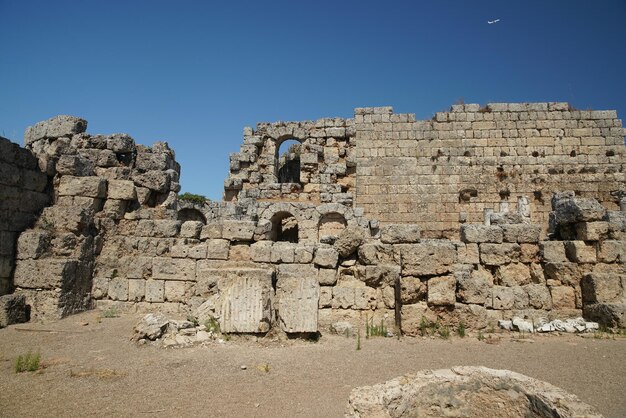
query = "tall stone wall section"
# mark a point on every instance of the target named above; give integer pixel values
(23, 194)
(443, 172)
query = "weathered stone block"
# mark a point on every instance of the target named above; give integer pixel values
(592, 231)
(100, 287)
(513, 274)
(343, 297)
(32, 244)
(326, 296)
(155, 291)
(61, 125)
(283, 252)
(565, 273)
(173, 269)
(176, 291)
(157, 181)
(553, 251)
(349, 240)
(304, 254)
(217, 249)
(118, 289)
(13, 310)
(375, 253)
(212, 230)
(468, 253)
(612, 251)
(45, 273)
(563, 297)
(326, 257)
(577, 209)
(136, 290)
(602, 287)
(538, 296)
(197, 251)
(474, 287)
(114, 209)
(298, 301)
(327, 277)
(75, 220)
(95, 187)
(520, 298)
(498, 254)
(377, 276)
(617, 224)
(400, 233)
(441, 291)
(161, 228)
(412, 318)
(238, 230)
(136, 267)
(431, 257)
(412, 290)
(246, 300)
(501, 298)
(260, 251)
(191, 229)
(481, 233)
(121, 190)
(579, 252)
(521, 233)
(609, 314)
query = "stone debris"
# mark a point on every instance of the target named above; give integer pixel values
(465, 391)
(572, 325)
(151, 327)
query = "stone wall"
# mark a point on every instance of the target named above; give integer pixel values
(446, 171)
(23, 194)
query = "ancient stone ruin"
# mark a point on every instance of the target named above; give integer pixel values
(478, 215)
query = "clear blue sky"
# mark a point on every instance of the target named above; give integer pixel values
(194, 73)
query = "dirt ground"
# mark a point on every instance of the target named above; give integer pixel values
(94, 369)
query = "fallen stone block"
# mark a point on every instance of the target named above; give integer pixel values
(151, 327)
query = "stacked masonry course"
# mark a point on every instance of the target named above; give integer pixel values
(117, 235)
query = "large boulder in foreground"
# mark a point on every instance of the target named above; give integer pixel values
(465, 392)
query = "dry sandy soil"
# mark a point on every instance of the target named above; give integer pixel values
(94, 370)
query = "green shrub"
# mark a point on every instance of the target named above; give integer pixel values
(461, 330)
(372, 330)
(194, 198)
(212, 325)
(112, 312)
(444, 332)
(27, 362)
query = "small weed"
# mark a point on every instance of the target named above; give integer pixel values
(212, 325)
(444, 332)
(481, 337)
(265, 367)
(358, 340)
(484, 109)
(193, 320)
(226, 337)
(461, 330)
(491, 328)
(372, 330)
(114, 274)
(28, 362)
(112, 312)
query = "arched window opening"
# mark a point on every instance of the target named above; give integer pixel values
(288, 161)
(331, 225)
(190, 214)
(284, 227)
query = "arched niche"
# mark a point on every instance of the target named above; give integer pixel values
(330, 226)
(284, 227)
(191, 214)
(288, 166)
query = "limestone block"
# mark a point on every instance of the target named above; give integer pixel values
(375, 253)
(563, 297)
(400, 233)
(120, 143)
(378, 276)
(191, 229)
(475, 288)
(612, 251)
(45, 273)
(246, 300)
(13, 310)
(538, 296)
(579, 252)
(365, 298)
(207, 276)
(153, 161)
(114, 209)
(197, 251)
(343, 297)
(327, 277)
(349, 240)
(155, 291)
(498, 254)
(502, 297)
(32, 244)
(239, 252)
(427, 258)
(602, 287)
(160, 228)
(118, 289)
(283, 252)
(83, 186)
(136, 290)
(61, 125)
(260, 251)
(412, 317)
(572, 210)
(441, 291)
(74, 165)
(326, 257)
(592, 231)
(521, 233)
(298, 302)
(468, 253)
(158, 181)
(513, 274)
(326, 296)
(75, 220)
(121, 190)
(412, 290)
(217, 249)
(536, 273)
(617, 224)
(609, 314)
(553, 251)
(212, 230)
(238, 230)
(565, 273)
(176, 291)
(100, 287)
(481, 233)
(136, 267)
(173, 268)
(304, 254)
(520, 298)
